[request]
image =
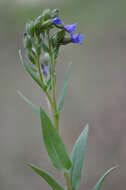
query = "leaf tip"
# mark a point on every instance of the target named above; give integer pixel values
(86, 129)
(19, 52)
(114, 167)
(30, 165)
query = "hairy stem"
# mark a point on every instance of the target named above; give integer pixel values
(39, 68)
(41, 78)
(54, 108)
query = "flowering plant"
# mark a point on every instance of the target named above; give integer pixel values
(43, 39)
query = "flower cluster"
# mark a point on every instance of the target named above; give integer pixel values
(45, 35)
(70, 28)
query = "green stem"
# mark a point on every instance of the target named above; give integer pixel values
(68, 183)
(39, 68)
(41, 78)
(49, 98)
(54, 107)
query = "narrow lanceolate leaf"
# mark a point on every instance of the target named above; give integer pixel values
(100, 181)
(77, 158)
(31, 72)
(47, 177)
(63, 91)
(33, 106)
(53, 143)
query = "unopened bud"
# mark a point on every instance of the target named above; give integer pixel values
(58, 38)
(30, 28)
(46, 14)
(55, 13)
(46, 24)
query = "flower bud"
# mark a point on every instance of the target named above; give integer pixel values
(30, 28)
(46, 58)
(37, 24)
(46, 14)
(46, 24)
(58, 37)
(55, 13)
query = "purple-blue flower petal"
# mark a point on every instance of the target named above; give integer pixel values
(70, 28)
(56, 21)
(45, 69)
(77, 38)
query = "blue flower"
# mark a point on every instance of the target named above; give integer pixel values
(45, 69)
(77, 38)
(56, 21)
(70, 28)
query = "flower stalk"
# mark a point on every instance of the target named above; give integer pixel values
(52, 63)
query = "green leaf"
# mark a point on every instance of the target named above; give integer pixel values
(53, 143)
(63, 91)
(77, 158)
(47, 177)
(45, 48)
(31, 56)
(31, 73)
(100, 181)
(48, 84)
(33, 106)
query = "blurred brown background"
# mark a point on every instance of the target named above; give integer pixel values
(96, 93)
